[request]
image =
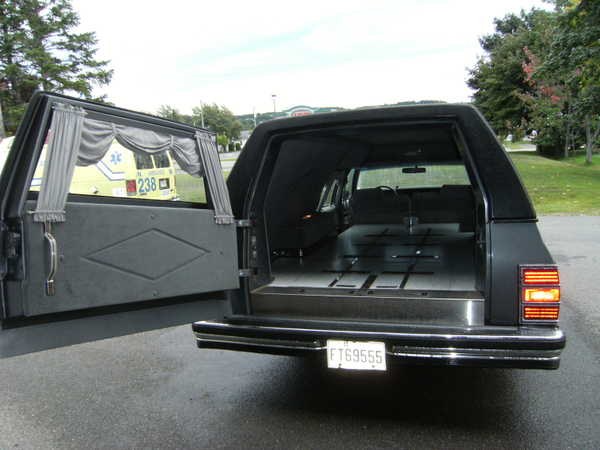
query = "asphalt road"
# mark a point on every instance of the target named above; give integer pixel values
(228, 160)
(157, 391)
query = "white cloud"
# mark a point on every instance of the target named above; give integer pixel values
(320, 53)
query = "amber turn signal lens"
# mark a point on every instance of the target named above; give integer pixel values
(541, 313)
(542, 295)
(537, 276)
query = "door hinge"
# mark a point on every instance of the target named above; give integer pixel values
(247, 272)
(243, 223)
(250, 234)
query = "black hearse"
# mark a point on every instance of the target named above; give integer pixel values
(361, 237)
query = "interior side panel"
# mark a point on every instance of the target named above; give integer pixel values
(302, 169)
(111, 254)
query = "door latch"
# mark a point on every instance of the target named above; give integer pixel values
(11, 245)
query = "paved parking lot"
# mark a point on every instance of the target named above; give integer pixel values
(155, 390)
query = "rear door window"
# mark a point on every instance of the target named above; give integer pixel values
(143, 162)
(414, 176)
(162, 160)
(127, 174)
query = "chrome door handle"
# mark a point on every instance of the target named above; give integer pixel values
(53, 259)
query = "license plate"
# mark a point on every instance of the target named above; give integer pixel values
(355, 355)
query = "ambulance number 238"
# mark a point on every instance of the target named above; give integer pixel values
(147, 184)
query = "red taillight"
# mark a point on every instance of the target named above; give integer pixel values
(131, 187)
(540, 294)
(539, 276)
(532, 313)
(175, 180)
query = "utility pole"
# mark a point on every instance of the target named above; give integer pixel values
(274, 109)
(201, 114)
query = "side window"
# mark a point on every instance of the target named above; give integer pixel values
(331, 193)
(143, 162)
(328, 195)
(190, 189)
(162, 160)
(128, 174)
(348, 186)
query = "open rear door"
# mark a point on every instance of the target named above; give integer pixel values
(107, 262)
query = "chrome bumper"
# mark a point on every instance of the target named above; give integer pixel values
(518, 347)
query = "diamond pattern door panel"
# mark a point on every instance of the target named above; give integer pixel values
(116, 254)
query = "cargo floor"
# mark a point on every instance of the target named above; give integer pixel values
(431, 257)
(380, 273)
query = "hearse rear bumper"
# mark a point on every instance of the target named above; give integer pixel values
(532, 347)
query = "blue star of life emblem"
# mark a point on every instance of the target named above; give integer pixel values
(115, 158)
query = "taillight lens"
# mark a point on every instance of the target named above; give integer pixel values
(540, 294)
(535, 314)
(540, 276)
(131, 188)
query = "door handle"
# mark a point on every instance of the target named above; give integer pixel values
(53, 259)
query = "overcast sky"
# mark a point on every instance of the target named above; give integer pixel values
(310, 52)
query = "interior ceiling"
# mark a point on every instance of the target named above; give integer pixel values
(403, 144)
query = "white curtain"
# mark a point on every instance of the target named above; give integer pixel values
(63, 141)
(98, 136)
(75, 140)
(214, 176)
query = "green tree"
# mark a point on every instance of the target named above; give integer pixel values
(575, 53)
(498, 78)
(551, 106)
(223, 141)
(171, 113)
(40, 50)
(219, 119)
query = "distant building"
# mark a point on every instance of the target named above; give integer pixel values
(303, 111)
(244, 135)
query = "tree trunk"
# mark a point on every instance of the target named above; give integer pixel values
(594, 138)
(590, 138)
(2, 132)
(568, 135)
(569, 131)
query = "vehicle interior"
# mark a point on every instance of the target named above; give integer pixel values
(377, 223)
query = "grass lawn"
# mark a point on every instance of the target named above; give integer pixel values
(555, 187)
(191, 189)
(513, 145)
(560, 187)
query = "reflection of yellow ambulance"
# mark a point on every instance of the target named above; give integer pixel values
(121, 173)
